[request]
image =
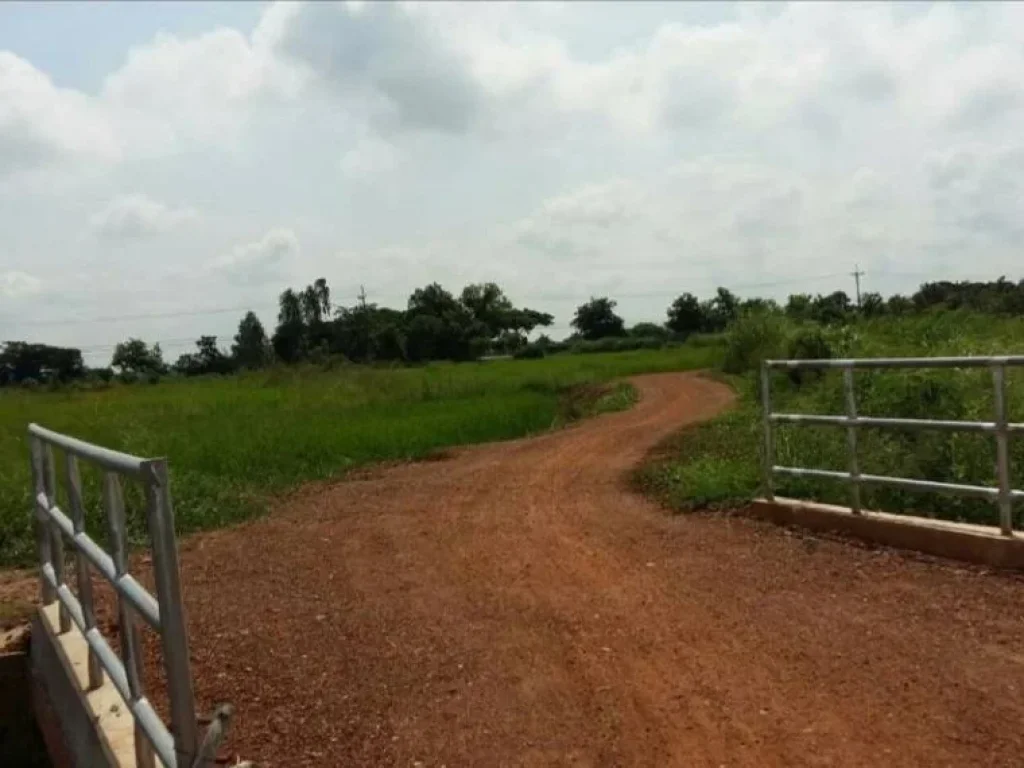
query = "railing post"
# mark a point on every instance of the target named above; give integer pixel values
(73, 482)
(56, 539)
(768, 452)
(174, 635)
(851, 440)
(131, 647)
(42, 528)
(1005, 498)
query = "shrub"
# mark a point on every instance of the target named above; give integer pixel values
(531, 352)
(808, 344)
(754, 337)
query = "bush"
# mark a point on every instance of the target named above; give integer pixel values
(756, 336)
(531, 352)
(808, 344)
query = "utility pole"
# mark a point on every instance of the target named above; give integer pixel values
(362, 297)
(856, 276)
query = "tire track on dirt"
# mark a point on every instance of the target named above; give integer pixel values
(518, 604)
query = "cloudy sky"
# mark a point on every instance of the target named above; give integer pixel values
(164, 166)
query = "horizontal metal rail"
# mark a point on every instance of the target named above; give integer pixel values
(1000, 427)
(906, 483)
(900, 362)
(876, 422)
(125, 584)
(115, 461)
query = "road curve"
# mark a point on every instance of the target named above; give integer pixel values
(516, 604)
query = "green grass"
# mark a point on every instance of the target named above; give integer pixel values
(718, 463)
(234, 442)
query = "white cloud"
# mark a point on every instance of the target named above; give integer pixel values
(199, 89)
(134, 217)
(369, 158)
(41, 124)
(14, 285)
(262, 261)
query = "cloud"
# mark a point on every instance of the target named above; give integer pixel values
(369, 158)
(41, 124)
(561, 149)
(389, 57)
(15, 285)
(265, 260)
(135, 217)
(202, 89)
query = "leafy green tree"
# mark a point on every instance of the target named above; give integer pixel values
(899, 305)
(315, 302)
(289, 341)
(251, 348)
(798, 307)
(442, 328)
(720, 311)
(596, 319)
(833, 308)
(136, 357)
(648, 331)
(507, 325)
(685, 315)
(20, 361)
(206, 359)
(872, 305)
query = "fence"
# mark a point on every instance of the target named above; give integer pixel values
(178, 746)
(1002, 494)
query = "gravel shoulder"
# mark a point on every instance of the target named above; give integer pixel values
(516, 604)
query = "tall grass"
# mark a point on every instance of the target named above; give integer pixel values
(233, 442)
(718, 463)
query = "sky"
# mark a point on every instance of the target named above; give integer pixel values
(166, 166)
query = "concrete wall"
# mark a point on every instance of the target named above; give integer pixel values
(959, 541)
(82, 729)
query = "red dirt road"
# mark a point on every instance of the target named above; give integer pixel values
(518, 605)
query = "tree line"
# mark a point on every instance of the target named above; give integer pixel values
(480, 321)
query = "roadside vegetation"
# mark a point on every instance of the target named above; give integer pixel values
(234, 441)
(718, 463)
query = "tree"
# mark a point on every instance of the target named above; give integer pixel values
(648, 331)
(440, 327)
(251, 348)
(135, 356)
(872, 305)
(720, 311)
(315, 302)
(206, 359)
(21, 360)
(834, 308)
(899, 305)
(685, 315)
(506, 325)
(290, 342)
(597, 319)
(798, 307)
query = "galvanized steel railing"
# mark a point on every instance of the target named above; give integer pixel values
(178, 746)
(1000, 426)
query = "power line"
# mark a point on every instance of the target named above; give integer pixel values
(141, 316)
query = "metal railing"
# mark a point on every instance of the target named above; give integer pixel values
(1000, 426)
(179, 745)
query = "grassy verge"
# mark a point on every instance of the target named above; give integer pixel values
(235, 442)
(718, 463)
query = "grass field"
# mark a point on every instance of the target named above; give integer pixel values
(718, 463)
(234, 442)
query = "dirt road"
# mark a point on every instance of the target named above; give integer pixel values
(517, 604)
